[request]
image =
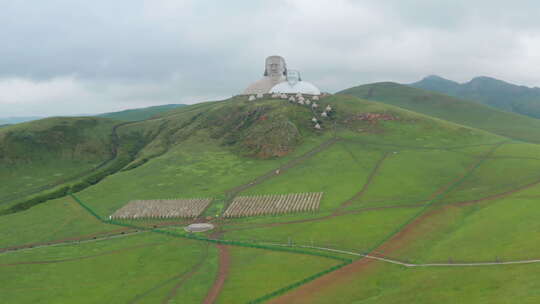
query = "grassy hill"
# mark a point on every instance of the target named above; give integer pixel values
(38, 155)
(139, 114)
(395, 183)
(460, 111)
(489, 91)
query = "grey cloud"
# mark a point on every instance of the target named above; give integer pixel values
(106, 55)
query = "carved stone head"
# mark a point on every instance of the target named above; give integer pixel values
(275, 66)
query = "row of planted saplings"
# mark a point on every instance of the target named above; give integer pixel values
(162, 209)
(273, 204)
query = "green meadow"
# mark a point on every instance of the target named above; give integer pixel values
(422, 189)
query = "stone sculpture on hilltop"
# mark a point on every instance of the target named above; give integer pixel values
(278, 80)
(274, 73)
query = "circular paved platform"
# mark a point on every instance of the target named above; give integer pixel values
(199, 227)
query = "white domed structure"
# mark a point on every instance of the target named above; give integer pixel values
(295, 85)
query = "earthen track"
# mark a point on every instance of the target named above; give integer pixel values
(89, 237)
(186, 276)
(366, 185)
(223, 272)
(117, 251)
(282, 169)
(181, 277)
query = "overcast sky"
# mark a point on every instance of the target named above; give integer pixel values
(62, 57)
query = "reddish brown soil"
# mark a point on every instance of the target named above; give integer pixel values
(307, 291)
(223, 272)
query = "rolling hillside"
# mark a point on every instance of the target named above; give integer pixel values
(489, 91)
(452, 109)
(139, 114)
(400, 185)
(39, 155)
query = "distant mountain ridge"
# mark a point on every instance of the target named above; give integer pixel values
(19, 119)
(489, 91)
(127, 115)
(449, 108)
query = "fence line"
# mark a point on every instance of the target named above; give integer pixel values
(410, 265)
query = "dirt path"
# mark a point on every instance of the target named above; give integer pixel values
(366, 185)
(89, 237)
(223, 272)
(117, 251)
(160, 284)
(497, 196)
(290, 164)
(93, 236)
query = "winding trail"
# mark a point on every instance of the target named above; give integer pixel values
(290, 164)
(121, 232)
(223, 272)
(497, 196)
(186, 276)
(366, 185)
(117, 251)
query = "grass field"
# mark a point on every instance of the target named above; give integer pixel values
(138, 269)
(336, 172)
(391, 184)
(255, 272)
(478, 231)
(386, 283)
(49, 152)
(358, 232)
(55, 220)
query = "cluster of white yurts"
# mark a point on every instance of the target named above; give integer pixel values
(280, 82)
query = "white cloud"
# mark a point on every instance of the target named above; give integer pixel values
(72, 96)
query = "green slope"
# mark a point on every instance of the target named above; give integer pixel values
(36, 155)
(463, 112)
(379, 166)
(140, 114)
